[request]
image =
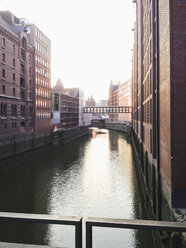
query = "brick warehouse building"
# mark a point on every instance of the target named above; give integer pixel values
(25, 89)
(16, 78)
(113, 99)
(125, 99)
(120, 95)
(42, 61)
(67, 107)
(158, 86)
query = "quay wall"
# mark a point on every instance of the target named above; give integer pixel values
(67, 136)
(11, 148)
(119, 126)
(150, 180)
(154, 197)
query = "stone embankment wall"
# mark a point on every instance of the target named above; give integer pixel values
(155, 200)
(119, 126)
(15, 146)
(66, 136)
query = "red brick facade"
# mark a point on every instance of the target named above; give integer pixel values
(158, 80)
(25, 80)
(42, 76)
(120, 95)
(16, 85)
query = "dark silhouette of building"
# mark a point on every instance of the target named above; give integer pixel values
(158, 80)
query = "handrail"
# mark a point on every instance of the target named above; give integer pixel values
(90, 222)
(130, 224)
(47, 219)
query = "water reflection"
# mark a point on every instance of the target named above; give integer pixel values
(89, 177)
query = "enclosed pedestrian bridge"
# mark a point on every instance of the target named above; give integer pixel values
(109, 109)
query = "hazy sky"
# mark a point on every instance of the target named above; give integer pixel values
(91, 39)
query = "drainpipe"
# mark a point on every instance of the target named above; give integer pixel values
(155, 98)
(141, 86)
(157, 112)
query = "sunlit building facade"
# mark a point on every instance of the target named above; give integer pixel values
(42, 63)
(113, 99)
(120, 95)
(16, 78)
(25, 91)
(124, 92)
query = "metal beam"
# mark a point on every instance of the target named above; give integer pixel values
(137, 224)
(47, 219)
(16, 245)
(130, 224)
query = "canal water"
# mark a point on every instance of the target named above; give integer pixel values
(90, 177)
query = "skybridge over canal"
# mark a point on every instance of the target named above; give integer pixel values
(109, 110)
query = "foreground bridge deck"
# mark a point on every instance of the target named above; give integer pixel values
(14, 245)
(90, 223)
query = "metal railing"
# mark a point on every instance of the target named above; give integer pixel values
(47, 219)
(92, 222)
(130, 224)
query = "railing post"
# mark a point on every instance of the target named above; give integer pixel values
(78, 234)
(88, 235)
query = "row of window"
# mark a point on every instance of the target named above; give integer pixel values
(44, 104)
(42, 49)
(42, 37)
(42, 61)
(43, 115)
(22, 71)
(22, 93)
(3, 44)
(43, 93)
(23, 57)
(13, 60)
(14, 125)
(3, 110)
(4, 60)
(42, 82)
(42, 72)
